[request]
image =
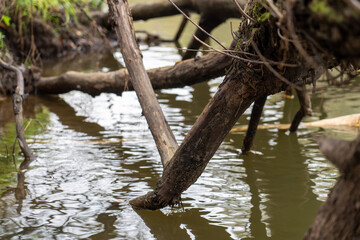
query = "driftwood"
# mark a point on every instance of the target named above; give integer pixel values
(162, 134)
(18, 102)
(184, 73)
(339, 216)
(352, 120)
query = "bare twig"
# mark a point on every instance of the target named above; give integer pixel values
(283, 37)
(188, 18)
(275, 9)
(267, 64)
(244, 59)
(243, 12)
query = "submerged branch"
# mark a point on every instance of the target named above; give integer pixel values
(18, 101)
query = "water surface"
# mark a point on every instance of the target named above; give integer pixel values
(94, 154)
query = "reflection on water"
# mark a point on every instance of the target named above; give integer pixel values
(97, 153)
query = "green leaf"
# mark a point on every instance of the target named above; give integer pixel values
(265, 16)
(6, 20)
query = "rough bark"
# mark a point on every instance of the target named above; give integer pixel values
(181, 74)
(161, 132)
(339, 216)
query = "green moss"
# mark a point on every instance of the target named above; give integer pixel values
(322, 8)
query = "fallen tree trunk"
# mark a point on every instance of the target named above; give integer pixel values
(145, 11)
(182, 74)
(160, 129)
(339, 216)
(149, 10)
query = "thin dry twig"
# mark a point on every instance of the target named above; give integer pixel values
(267, 64)
(244, 59)
(275, 9)
(283, 37)
(214, 50)
(203, 30)
(243, 12)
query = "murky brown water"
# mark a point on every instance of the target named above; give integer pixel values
(95, 154)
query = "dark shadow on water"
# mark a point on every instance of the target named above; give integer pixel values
(182, 225)
(279, 181)
(108, 222)
(68, 117)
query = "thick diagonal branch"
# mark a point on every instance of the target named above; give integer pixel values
(233, 97)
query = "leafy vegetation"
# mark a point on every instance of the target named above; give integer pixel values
(323, 8)
(19, 13)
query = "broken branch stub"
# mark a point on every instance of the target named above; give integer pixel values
(162, 134)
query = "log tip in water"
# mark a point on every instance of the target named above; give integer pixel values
(148, 201)
(153, 201)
